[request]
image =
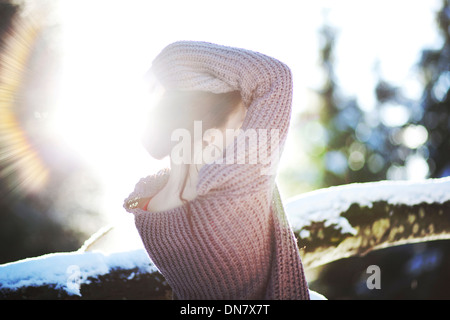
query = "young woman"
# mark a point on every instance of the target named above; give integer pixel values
(212, 226)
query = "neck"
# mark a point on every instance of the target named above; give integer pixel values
(181, 185)
(179, 173)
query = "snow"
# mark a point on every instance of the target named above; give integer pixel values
(328, 204)
(67, 271)
(313, 295)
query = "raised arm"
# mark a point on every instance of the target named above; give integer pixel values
(264, 82)
(265, 85)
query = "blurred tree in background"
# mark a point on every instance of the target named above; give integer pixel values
(400, 138)
(421, 145)
(352, 146)
(435, 69)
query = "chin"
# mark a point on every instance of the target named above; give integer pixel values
(157, 150)
(157, 154)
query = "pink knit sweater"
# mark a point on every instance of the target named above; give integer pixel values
(238, 245)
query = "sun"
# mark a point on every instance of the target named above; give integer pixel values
(101, 106)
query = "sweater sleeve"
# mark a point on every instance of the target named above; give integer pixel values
(265, 85)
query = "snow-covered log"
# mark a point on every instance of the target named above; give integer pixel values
(330, 224)
(87, 275)
(83, 275)
(354, 219)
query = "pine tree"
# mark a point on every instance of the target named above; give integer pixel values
(435, 69)
(355, 150)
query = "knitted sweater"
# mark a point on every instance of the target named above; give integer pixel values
(238, 244)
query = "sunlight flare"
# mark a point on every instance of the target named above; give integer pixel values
(20, 163)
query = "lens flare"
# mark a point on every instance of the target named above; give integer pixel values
(21, 169)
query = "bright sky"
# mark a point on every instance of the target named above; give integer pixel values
(110, 44)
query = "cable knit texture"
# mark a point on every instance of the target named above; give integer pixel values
(238, 244)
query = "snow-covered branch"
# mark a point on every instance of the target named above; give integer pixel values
(354, 219)
(83, 275)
